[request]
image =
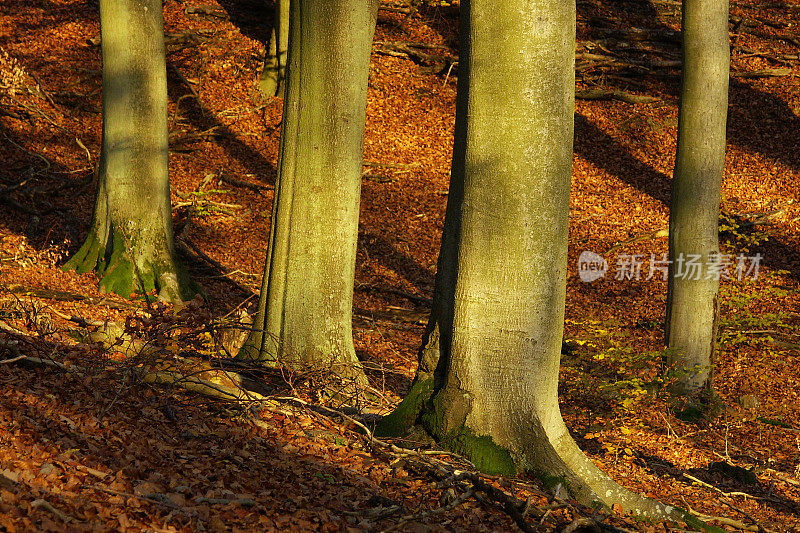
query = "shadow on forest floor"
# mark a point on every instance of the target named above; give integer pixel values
(602, 150)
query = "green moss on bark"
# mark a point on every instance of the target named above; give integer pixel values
(120, 278)
(252, 349)
(481, 450)
(90, 256)
(400, 421)
(118, 274)
(696, 523)
(443, 417)
(447, 411)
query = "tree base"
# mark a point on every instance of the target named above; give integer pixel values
(700, 407)
(271, 82)
(119, 274)
(556, 461)
(346, 370)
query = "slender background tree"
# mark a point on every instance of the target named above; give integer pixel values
(692, 305)
(271, 82)
(130, 241)
(305, 309)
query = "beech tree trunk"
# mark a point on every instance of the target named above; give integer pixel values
(692, 305)
(305, 309)
(130, 241)
(271, 82)
(488, 376)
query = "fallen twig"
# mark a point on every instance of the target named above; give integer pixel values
(763, 73)
(180, 136)
(614, 94)
(158, 501)
(756, 524)
(393, 9)
(426, 514)
(44, 504)
(172, 39)
(712, 487)
(44, 91)
(189, 248)
(643, 34)
(407, 295)
(395, 314)
(65, 296)
(209, 11)
(239, 183)
(4, 326)
(203, 386)
(184, 79)
(789, 38)
(414, 45)
(83, 322)
(780, 58)
(46, 162)
(647, 236)
(377, 164)
(414, 51)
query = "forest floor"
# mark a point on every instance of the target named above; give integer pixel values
(86, 446)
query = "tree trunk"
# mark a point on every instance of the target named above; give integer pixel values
(305, 309)
(273, 75)
(130, 241)
(488, 379)
(692, 306)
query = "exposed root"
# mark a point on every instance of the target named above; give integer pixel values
(121, 274)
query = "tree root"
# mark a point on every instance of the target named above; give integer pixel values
(119, 272)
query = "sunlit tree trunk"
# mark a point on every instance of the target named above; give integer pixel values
(273, 75)
(305, 310)
(488, 378)
(130, 241)
(692, 305)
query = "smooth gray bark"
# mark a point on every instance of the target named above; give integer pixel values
(130, 241)
(692, 305)
(305, 310)
(273, 75)
(488, 378)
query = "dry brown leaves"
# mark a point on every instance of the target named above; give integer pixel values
(95, 455)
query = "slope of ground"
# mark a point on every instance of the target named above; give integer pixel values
(87, 446)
